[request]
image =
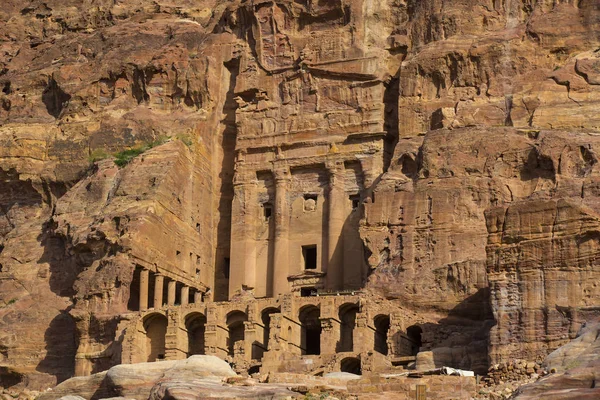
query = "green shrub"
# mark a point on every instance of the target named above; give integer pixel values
(124, 157)
(97, 155)
(8, 303)
(185, 139)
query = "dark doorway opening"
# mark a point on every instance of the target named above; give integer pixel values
(266, 320)
(382, 326)
(155, 326)
(311, 330)
(414, 335)
(348, 321)
(351, 365)
(235, 324)
(195, 324)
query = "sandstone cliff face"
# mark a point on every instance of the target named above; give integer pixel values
(485, 222)
(81, 81)
(86, 252)
(456, 223)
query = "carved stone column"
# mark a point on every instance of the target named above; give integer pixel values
(215, 334)
(197, 297)
(174, 337)
(330, 333)
(363, 334)
(337, 215)
(243, 243)
(185, 295)
(144, 279)
(171, 293)
(250, 338)
(159, 282)
(282, 220)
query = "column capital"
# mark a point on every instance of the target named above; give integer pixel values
(244, 178)
(334, 166)
(282, 173)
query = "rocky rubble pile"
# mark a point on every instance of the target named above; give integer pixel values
(503, 379)
(515, 370)
(11, 394)
(504, 390)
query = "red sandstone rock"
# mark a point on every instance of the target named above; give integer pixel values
(482, 232)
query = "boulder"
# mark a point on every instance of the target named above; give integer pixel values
(578, 369)
(138, 381)
(82, 386)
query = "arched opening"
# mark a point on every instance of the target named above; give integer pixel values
(409, 166)
(195, 324)
(155, 326)
(235, 324)
(351, 365)
(311, 330)
(382, 326)
(347, 316)
(266, 320)
(414, 335)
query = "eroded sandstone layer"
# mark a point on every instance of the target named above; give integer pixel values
(428, 168)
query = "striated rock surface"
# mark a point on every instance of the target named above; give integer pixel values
(479, 211)
(506, 220)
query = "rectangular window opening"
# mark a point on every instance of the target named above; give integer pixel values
(309, 253)
(308, 292)
(355, 199)
(268, 211)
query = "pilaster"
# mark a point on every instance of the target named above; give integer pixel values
(243, 243)
(282, 220)
(336, 219)
(159, 282)
(144, 280)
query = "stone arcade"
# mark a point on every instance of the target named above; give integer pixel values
(316, 334)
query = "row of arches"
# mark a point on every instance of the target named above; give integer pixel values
(155, 327)
(309, 317)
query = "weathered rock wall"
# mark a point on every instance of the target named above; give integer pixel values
(484, 67)
(486, 214)
(79, 82)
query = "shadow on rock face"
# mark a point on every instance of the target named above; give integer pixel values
(54, 98)
(61, 347)
(461, 339)
(9, 378)
(66, 261)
